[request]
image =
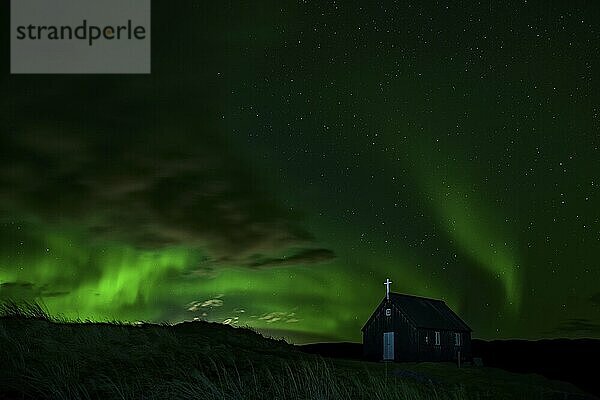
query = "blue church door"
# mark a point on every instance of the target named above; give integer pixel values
(388, 346)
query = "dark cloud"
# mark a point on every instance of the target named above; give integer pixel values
(578, 326)
(151, 184)
(303, 257)
(27, 290)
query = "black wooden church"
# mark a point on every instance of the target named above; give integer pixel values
(411, 328)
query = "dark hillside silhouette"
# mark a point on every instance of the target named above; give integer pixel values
(44, 357)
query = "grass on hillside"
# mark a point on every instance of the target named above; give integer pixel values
(43, 357)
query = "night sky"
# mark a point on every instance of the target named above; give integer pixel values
(284, 158)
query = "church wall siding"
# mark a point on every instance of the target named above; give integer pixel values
(405, 334)
(447, 350)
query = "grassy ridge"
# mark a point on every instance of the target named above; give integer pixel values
(45, 358)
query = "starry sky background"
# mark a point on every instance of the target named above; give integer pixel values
(284, 158)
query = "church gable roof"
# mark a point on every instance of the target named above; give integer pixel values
(426, 313)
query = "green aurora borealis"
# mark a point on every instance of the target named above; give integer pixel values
(283, 159)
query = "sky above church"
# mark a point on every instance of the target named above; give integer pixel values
(284, 158)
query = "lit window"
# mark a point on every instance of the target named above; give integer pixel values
(388, 312)
(438, 339)
(457, 339)
(426, 339)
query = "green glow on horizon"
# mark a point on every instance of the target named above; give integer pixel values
(112, 281)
